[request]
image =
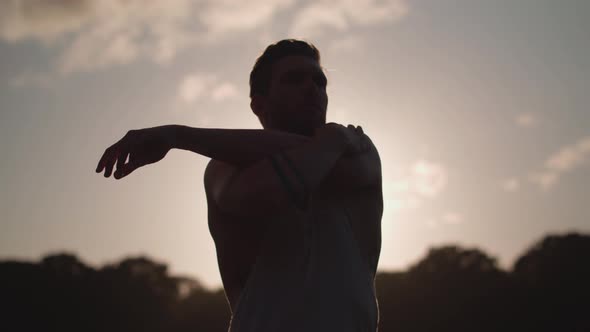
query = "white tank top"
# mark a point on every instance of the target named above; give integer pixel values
(309, 276)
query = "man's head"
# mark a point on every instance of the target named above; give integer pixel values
(288, 88)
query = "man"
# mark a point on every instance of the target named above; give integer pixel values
(294, 209)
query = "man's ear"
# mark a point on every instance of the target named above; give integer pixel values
(258, 106)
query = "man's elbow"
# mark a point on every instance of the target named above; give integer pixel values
(367, 170)
(369, 177)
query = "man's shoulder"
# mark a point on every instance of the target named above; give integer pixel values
(216, 168)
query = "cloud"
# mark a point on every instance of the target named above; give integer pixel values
(97, 34)
(569, 157)
(429, 178)
(346, 44)
(452, 218)
(424, 180)
(544, 179)
(197, 86)
(120, 32)
(449, 218)
(223, 16)
(29, 78)
(43, 20)
(92, 35)
(511, 185)
(318, 16)
(525, 120)
(224, 91)
(565, 160)
(432, 223)
(193, 87)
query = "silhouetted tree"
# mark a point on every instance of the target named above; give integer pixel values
(450, 289)
(555, 274)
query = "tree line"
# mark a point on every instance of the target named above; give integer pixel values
(452, 288)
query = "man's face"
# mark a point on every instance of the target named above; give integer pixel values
(297, 100)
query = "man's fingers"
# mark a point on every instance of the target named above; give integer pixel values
(365, 145)
(116, 153)
(102, 161)
(122, 158)
(99, 165)
(121, 172)
(111, 160)
(109, 167)
(124, 170)
(108, 158)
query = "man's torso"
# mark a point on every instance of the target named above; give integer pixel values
(238, 239)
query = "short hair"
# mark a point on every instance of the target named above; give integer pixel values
(261, 73)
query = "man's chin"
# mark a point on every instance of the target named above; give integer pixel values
(307, 131)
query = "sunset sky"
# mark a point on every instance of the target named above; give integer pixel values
(479, 110)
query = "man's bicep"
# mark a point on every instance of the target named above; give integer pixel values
(359, 170)
(249, 191)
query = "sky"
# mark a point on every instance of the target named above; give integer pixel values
(479, 111)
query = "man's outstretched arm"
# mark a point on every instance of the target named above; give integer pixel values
(242, 147)
(239, 147)
(281, 180)
(242, 156)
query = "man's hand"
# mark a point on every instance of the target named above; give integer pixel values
(359, 166)
(361, 143)
(357, 142)
(143, 146)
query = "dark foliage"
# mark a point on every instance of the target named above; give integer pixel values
(451, 289)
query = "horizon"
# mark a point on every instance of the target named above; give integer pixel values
(508, 269)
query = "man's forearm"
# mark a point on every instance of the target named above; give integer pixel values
(241, 147)
(288, 177)
(235, 146)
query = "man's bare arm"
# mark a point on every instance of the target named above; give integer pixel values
(236, 147)
(357, 170)
(268, 186)
(239, 147)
